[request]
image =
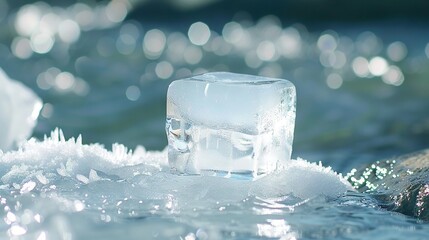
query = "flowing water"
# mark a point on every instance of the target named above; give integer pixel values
(362, 92)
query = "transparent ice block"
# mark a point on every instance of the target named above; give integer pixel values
(229, 124)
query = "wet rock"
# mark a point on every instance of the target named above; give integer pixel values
(399, 184)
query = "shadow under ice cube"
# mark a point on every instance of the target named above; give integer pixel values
(228, 124)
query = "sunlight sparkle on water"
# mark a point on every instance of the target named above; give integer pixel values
(397, 51)
(41, 43)
(232, 32)
(64, 81)
(220, 47)
(199, 33)
(154, 43)
(276, 228)
(176, 46)
(69, 31)
(27, 20)
(289, 43)
(266, 51)
(126, 44)
(378, 66)
(127, 40)
(42, 24)
(42, 29)
(116, 10)
(133, 93)
(84, 15)
(368, 43)
(164, 70)
(326, 43)
(21, 48)
(361, 67)
(393, 76)
(193, 54)
(334, 80)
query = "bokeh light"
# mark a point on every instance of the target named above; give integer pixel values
(361, 67)
(378, 66)
(21, 47)
(266, 51)
(397, 51)
(164, 70)
(327, 43)
(368, 44)
(68, 31)
(41, 42)
(199, 33)
(393, 76)
(47, 110)
(27, 20)
(289, 43)
(232, 32)
(154, 43)
(64, 81)
(133, 93)
(334, 80)
(116, 10)
(84, 16)
(193, 55)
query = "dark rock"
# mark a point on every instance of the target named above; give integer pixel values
(399, 184)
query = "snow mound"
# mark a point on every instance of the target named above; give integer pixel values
(69, 163)
(19, 109)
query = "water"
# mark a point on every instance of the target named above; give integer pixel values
(347, 115)
(230, 122)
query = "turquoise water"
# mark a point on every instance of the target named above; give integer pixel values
(362, 96)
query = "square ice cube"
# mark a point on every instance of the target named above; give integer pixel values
(229, 124)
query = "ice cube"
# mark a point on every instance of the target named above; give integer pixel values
(228, 124)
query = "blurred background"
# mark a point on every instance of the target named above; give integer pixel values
(102, 68)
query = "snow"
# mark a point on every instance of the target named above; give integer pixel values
(56, 160)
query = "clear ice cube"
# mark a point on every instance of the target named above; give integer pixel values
(228, 124)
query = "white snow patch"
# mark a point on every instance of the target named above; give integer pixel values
(147, 175)
(27, 187)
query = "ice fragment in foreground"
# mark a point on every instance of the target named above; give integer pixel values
(229, 124)
(19, 109)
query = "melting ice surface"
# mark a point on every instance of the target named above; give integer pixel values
(230, 123)
(63, 189)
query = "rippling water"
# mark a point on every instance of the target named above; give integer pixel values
(362, 96)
